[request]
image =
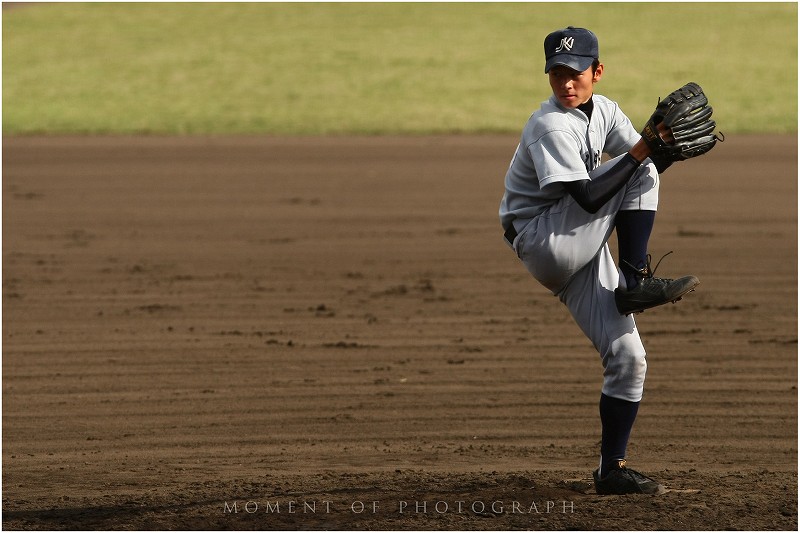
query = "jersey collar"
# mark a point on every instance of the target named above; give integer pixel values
(575, 112)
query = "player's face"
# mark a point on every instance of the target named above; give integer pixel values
(571, 87)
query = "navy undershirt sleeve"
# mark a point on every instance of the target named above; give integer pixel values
(592, 194)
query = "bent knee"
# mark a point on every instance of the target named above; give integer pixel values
(624, 374)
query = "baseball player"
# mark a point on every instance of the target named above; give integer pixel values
(561, 205)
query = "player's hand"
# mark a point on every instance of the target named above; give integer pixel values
(686, 113)
(665, 133)
(642, 150)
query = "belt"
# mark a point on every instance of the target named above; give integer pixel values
(510, 234)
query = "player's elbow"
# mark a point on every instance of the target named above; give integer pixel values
(589, 206)
(581, 191)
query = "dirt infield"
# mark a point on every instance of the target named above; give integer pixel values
(257, 333)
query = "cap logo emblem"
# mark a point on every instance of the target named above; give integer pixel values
(566, 44)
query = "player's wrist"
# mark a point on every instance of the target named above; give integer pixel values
(640, 151)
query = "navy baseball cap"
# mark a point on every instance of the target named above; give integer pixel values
(575, 48)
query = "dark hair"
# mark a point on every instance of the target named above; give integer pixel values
(595, 64)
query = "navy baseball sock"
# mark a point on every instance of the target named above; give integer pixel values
(633, 234)
(617, 417)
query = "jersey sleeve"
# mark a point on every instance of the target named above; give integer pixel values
(622, 135)
(556, 156)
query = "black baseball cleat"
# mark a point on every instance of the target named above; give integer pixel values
(623, 480)
(652, 291)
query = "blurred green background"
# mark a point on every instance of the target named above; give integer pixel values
(377, 68)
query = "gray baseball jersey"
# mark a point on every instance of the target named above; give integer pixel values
(561, 145)
(566, 248)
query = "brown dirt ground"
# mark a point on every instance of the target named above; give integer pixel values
(267, 333)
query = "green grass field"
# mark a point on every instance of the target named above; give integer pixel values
(409, 68)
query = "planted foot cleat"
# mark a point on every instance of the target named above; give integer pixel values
(623, 480)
